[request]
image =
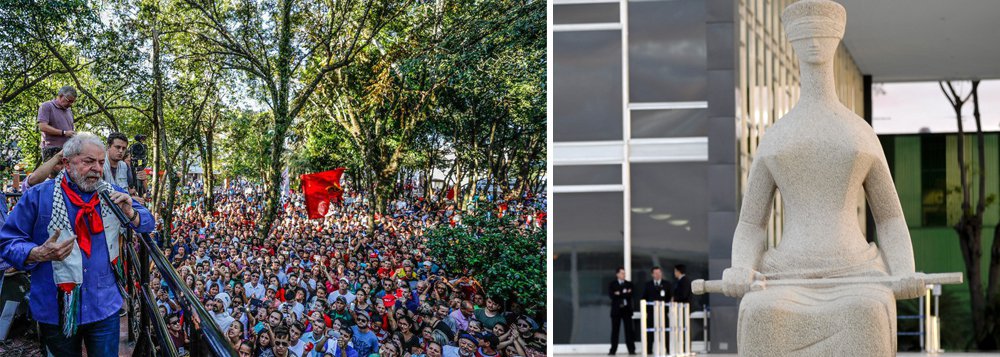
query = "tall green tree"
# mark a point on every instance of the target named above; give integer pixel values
(388, 100)
(286, 48)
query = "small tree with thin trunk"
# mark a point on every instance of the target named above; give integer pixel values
(985, 303)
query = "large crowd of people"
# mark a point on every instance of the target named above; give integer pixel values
(329, 287)
(353, 283)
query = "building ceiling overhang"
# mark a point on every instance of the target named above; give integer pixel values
(924, 40)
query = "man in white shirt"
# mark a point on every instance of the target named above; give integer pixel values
(342, 291)
(254, 287)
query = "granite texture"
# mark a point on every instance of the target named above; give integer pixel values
(820, 156)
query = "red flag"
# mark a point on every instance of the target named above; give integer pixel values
(451, 194)
(320, 189)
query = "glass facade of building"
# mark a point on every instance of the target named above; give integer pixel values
(630, 132)
(658, 107)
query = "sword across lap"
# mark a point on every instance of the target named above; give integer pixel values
(701, 286)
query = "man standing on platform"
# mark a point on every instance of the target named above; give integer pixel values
(656, 290)
(620, 291)
(68, 238)
(55, 118)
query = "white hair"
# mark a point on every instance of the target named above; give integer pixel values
(74, 146)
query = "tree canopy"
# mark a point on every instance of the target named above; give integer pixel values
(442, 94)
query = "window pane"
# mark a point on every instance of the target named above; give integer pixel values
(667, 53)
(933, 180)
(669, 215)
(588, 175)
(670, 123)
(587, 248)
(585, 13)
(587, 94)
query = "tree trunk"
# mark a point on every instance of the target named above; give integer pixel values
(168, 212)
(282, 118)
(209, 169)
(985, 310)
(159, 134)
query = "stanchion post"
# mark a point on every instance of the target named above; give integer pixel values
(704, 327)
(673, 328)
(664, 327)
(687, 329)
(936, 291)
(642, 322)
(937, 334)
(658, 329)
(926, 322)
(920, 315)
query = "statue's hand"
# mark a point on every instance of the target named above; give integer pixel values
(909, 286)
(738, 281)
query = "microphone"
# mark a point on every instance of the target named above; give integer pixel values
(104, 190)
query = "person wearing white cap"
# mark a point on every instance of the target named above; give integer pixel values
(218, 308)
(342, 291)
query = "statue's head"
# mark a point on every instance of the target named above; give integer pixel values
(815, 28)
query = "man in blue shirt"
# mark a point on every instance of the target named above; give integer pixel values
(343, 347)
(72, 262)
(364, 339)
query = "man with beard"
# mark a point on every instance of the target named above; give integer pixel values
(68, 239)
(364, 340)
(218, 308)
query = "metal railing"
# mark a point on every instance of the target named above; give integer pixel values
(146, 326)
(930, 320)
(10, 198)
(671, 322)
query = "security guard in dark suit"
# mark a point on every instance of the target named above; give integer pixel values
(682, 288)
(655, 290)
(620, 291)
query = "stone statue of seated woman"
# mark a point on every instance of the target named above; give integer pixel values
(820, 156)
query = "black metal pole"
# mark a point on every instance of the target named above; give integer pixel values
(129, 284)
(214, 338)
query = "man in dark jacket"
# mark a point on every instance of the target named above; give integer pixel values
(655, 290)
(682, 288)
(620, 291)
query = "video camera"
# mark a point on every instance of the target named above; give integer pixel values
(138, 151)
